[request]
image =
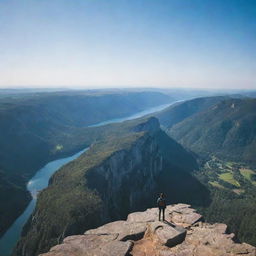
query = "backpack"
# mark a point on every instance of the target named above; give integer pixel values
(161, 203)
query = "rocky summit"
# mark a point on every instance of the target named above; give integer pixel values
(183, 233)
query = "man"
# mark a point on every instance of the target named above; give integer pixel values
(161, 205)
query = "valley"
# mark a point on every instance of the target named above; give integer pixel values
(48, 126)
(229, 175)
(233, 190)
(131, 159)
(38, 182)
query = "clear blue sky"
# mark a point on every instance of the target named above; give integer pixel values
(114, 43)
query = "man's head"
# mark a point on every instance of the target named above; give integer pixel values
(161, 195)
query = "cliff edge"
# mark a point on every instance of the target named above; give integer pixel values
(183, 233)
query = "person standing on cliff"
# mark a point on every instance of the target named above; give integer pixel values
(161, 205)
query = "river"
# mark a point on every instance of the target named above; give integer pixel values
(40, 181)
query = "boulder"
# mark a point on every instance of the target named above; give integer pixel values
(183, 215)
(167, 234)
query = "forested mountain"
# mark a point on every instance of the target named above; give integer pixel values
(39, 127)
(122, 172)
(226, 130)
(184, 109)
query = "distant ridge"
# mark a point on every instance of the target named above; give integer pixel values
(182, 110)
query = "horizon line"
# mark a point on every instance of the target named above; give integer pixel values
(80, 87)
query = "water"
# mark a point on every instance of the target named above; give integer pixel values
(37, 183)
(41, 179)
(134, 116)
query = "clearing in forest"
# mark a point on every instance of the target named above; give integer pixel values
(248, 174)
(228, 177)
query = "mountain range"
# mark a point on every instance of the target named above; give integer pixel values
(199, 152)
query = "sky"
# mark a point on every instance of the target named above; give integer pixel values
(128, 43)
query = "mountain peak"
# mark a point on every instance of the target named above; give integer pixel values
(183, 233)
(150, 125)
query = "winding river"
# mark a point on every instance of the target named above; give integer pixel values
(40, 181)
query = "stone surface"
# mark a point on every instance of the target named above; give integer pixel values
(124, 230)
(148, 216)
(179, 214)
(211, 240)
(183, 234)
(88, 245)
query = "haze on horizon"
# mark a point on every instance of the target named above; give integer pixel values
(129, 43)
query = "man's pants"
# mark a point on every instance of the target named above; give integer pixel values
(161, 210)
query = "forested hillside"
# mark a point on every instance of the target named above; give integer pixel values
(226, 130)
(182, 110)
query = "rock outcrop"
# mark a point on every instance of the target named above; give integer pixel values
(183, 233)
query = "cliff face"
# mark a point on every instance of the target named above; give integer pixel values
(183, 233)
(127, 180)
(118, 175)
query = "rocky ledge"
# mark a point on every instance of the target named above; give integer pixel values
(182, 234)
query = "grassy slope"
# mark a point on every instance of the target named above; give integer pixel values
(229, 177)
(37, 128)
(248, 174)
